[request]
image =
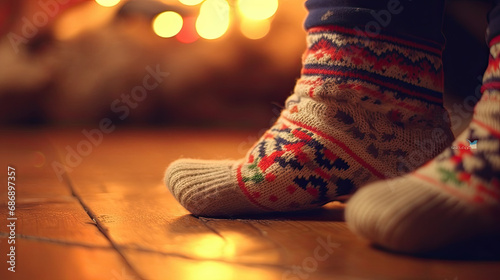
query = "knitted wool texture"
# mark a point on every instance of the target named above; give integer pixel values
(454, 197)
(364, 109)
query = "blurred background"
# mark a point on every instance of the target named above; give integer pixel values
(230, 63)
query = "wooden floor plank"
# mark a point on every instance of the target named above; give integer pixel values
(49, 217)
(44, 204)
(156, 266)
(63, 220)
(283, 241)
(144, 154)
(120, 181)
(31, 154)
(55, 261)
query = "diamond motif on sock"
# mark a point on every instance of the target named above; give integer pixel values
(356, 113)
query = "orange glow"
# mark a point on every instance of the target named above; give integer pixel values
(81, 18)
(213, 21)
(188, 32)
(39, 159)
(258, 9)
(255, 29)
(209, 270)
(211, 247)
(107, 3)
(167, 24)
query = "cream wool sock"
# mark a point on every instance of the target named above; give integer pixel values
(454, 197)
(359, 111)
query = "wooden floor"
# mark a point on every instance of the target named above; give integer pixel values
(111, 217)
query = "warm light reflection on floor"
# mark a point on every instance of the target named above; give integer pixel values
(212, 246)
(211, 271)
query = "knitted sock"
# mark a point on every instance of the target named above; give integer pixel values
(367, 100)
(454, 197)
(359, 111)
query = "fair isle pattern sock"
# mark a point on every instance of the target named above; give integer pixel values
(359, 110)
(454, 197)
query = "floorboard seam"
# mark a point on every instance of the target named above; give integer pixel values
(205, 222)
(56, 241)
(94, 218)
(99, 226)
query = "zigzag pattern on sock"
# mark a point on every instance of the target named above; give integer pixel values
(399, 68)
(357, 113)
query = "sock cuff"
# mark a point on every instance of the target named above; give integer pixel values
(416, 20)
(389, 65)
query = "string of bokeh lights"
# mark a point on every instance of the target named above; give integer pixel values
(213, 19)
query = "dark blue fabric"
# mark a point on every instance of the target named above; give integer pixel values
(412, 18)
(494, 22)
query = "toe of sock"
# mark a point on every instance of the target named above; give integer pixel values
(207, 188)
(405, 215)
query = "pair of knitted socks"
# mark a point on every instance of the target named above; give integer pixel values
(366, 111)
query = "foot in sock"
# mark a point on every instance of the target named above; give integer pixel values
(454, 197)
(361, 107)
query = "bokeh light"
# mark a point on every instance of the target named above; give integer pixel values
(255, 29)
(107, 3)
(213, 21)
(188, 32)
(167, 24)
(75, 21)
(190, 2)
(258, 9)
